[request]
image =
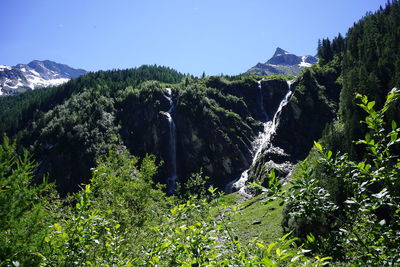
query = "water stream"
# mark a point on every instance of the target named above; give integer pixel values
(261, 141)
(172, 179)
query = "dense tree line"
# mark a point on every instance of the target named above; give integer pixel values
(371, 66)
(344, 196)
(343, 199)
(327, 49)
(216, 120)
(16, 111)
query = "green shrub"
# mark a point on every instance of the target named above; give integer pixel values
(25, 208)
(365, 220)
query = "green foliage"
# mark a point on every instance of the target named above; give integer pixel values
(327, 50)
(25, 209)
(112, 218)
(278, 77)
(16, 111)
(195, 187)
(81, 115)
(370, 67)
(84, 123)
(365, 218)
(309, 207)
(84, 237)
(121, 219)
(125, 190)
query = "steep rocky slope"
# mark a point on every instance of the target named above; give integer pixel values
(312, 105)
(217, 125)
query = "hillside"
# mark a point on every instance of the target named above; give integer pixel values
(141, 158)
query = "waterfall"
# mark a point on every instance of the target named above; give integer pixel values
(172, 179)
(261, 141)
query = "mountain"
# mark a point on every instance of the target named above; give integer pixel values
(152, 124)
(36, 74)
(283, 63)
(190, 124)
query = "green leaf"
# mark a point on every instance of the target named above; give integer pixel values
(285, 236)
(212, 190)
(393, 136)
(87, 189)
(278, 252)
(367, 137)
(270, 247)
(267, 262)
(317, 145)
(286, 256)
(371, 105)
(394, 125)
(260, 245)
(311, 238)
(325, 258)
(57, 227)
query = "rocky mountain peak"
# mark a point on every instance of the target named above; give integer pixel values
(279, 51)
(36, 74)
(283, 63)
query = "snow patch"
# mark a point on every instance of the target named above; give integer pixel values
(3, 67)
(38, 82)
(304, 63)
(34, 72)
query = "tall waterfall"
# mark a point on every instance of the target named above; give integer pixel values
(261, 141)
(172, 179)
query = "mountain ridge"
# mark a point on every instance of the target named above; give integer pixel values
(36, 74)
(284, 63)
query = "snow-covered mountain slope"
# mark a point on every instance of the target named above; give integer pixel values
(36, 74)
(284, 63)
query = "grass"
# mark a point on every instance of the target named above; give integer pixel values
(254, 219)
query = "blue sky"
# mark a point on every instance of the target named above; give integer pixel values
(192, 36)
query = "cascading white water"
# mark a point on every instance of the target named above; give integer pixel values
(261, 141)
(172, 179)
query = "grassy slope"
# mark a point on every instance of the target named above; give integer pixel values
(269, 216)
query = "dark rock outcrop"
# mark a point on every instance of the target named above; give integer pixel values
(273, 92)
(311, 107)
(282, 57)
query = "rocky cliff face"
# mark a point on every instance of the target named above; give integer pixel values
(283, 63)
(310, 108)
(216, 123)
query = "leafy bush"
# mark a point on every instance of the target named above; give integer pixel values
(364, 227)
(25, 209)
(309, 206)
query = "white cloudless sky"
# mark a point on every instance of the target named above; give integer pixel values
(192, 36)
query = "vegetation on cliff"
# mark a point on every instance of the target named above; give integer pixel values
(353, 174)
(93, 137)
